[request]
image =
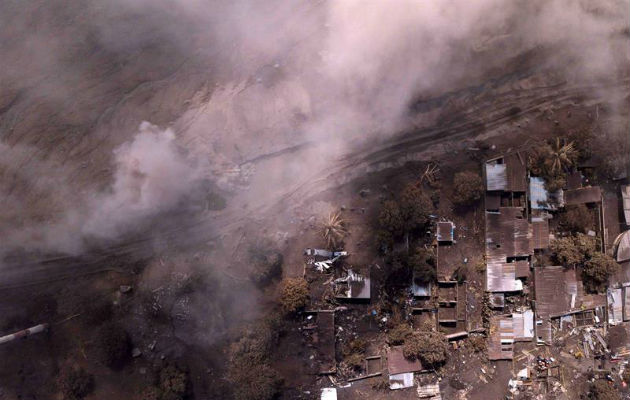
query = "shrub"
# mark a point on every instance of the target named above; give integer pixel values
(603, 390)
(597, 270)
(112, 345)
(429, 347)
(468, 188)
(256, 344)
(75, 383)
(423, 264)
(267, 264)
(477, 343)
(294, 294)
(399, 334)
(384, 241)
(256, 382)
(174, 383)
(390, 218)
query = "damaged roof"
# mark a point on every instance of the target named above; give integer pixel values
(584, 195)
(558, 292)
(508, 235)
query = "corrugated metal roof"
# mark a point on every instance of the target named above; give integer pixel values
(523, 325)
(625, 195)
(585, 195)
(398, 364)
(501, 339)
(540, 233)
(556, 290)
(623, 247)
(496, 176)
(626, 303)
(501, 277)
(516, 173)
(401, 381)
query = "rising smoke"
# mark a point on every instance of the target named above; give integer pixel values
(333, 73)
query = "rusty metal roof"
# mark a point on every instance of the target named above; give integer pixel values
(508, 234)
(516, 171)
(398, 364)
(555, 289)
(585, 195)
(540, 233)
(501, 339)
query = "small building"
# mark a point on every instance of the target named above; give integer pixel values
(585, 195)
(401, 370)
(445, 232)
(353, 286)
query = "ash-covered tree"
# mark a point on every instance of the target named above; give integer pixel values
(597, 270)
(390, 218)
(415, 208)
(256, 382)
(266, 262)
(468, 188)
(551, 160)
(334, 230)
(575, 218)
(294, 295)
(422, 262)
(603, 390)
(573, 250)
(75, 383)
(429, 347)
(113, 346)
(174, 383)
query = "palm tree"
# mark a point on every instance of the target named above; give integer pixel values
(334, 230)
(563, 155)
